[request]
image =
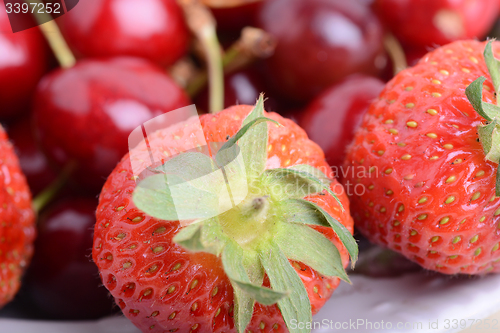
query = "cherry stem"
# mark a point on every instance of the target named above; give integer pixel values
(202, 24)
(228, 3)
(49, 193)
(253, 44)
(396, 53)
(54, 37)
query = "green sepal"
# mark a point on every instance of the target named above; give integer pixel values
(494, 153)
(302, 243)
(296, 307)
(254, 144)
(187, 166)
(170, 192)
(493, 65)
(202, 236)
(320, 176)
(485, 133)
(474, 93)
(489, 134)
(306, 212)
(246, 276)
(497, 182)
(232, 259)
(234, 139)
(189, 237)
(296, 182)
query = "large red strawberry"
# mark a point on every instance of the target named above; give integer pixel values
(17, 222)
(254, 241)
(422, 179)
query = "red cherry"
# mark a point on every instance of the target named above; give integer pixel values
(152, 29)
(86, 113)
(414, 54)
(231, 18)
(320, 42)
(437, 22)
(34, 164)
(331, 119)
(243, 87)
(62, 281)
(23, 61)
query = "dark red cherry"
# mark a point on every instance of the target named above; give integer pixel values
(243, 87)
(152, 29)
(320, 42)
(86, 113)
(331, 118)
(233, 16)
(414, 54)
(23, 61)
(62, 280)
(34, 164)
(437, 22)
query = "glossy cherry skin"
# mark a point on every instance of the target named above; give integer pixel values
(230, 18)
(23, 61)
(86, 113)
(331, 119)
(414, 54)
(62, 281)
(243, 87)
(420, 23)
(32, 160)
(151, 29)
(320, 42)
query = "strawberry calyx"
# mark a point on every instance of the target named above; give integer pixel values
(255, 219)
(489, 132)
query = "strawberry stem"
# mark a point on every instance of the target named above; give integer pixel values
(53, 35)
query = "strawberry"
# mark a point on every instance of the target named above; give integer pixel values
(207, 263)
(427, 23)
(17, 227)
(422, 180)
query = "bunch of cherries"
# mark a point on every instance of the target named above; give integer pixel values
(70, 118)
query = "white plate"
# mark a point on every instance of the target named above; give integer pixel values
(412, 298)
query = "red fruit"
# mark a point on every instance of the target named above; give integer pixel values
(86, 113)
(414, 54)
(32, 161)
(152, 29)
(331, 118)
(23, 61)
(160, 285)
(437, 22)
(17, 229)
(233, 15)
(62, 282)
(320, 42)
(421, 185)
(243, 87)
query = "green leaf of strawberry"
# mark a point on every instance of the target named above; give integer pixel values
(489, 134)
(307, 212)
(304, 244)
(283, 277)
